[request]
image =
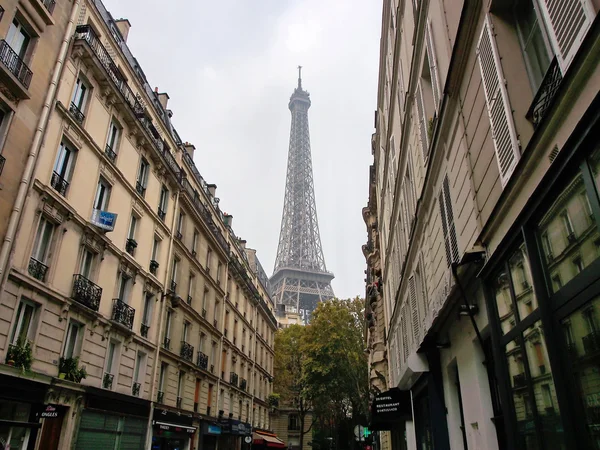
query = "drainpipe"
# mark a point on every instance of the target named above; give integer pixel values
(15, 215)
(222, 320)
(162, 315)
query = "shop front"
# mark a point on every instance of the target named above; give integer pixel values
(263, 440)
(210, 432)
(172, 431)
(233, 433)
(544, 305)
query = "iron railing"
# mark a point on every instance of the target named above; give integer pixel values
(187, 351)
(173, 286)
(161, 214)
(166, 343)
(135, 389)
(243, 384)
(37, 269)
(86, 292)
(110, 153)
(130, 246)
(15, 64)
(59, 184)
(107, 380)
(189, 300)
(77, 114)
(160, 398)
(233, 378)
(144, 330)
(122, 313)
(545, 95)
(140, 188)
(153, 266)
(49, 4)
(202, 361)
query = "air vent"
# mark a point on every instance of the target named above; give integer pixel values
(553, 154)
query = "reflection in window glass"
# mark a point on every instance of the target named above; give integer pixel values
(582, 337)
(569, 235)
(520, 275)
(503, 295)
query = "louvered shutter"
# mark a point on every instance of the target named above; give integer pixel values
(433, 69)
(496, 97)
(405, 343)
(448, 226)
(568, 21)
(422, 122)
(414, 307)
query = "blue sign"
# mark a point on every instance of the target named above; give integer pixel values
(104, 219)
(213, 429)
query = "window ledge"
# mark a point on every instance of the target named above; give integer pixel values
(43, 11)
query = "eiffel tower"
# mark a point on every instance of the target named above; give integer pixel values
(300, 279)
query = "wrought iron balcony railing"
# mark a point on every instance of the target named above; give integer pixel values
(2, 161)
(189, 300)
(166, 343)
(591, 342)
(233, 378)
(110, 153)
(59, 184)
(135, 389)
(202, 361)
(15, 64)
(140, 188)
(187, 351)
(161, 214)
(37, 269)
(77, 114)
(123, 313)
(49, 4)
(144, 330)
(153, 267)
(243, 384)
(107, 380)
(545, 95)
(130, 246)
(160, 398)
(86, 292)
(173, 286)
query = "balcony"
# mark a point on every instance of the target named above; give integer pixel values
(107, 380)
(153, 267)
(166, 343)
(49, 5)
(140, 188)
(2, 161)
(130, 246)
(202, 361)
(519, 380)
(243, 384)
(179, 401)
(544, 98)
(233, 378)
(135, 389)
(591, 342)
(122, 313)
(187, 351)
(37, 269)
(86, 292)
(76, 113)
(59, 184)
(14, 71)
(144, 330)
(173, 286)
(110, 153)
(161, 214)
(189, 300)
(160, 398)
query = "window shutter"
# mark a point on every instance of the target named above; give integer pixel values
(447, 215)
(569, 22)
(405, 349)
(435, 79)
(422, 122)
(412, 292)
(496, 96)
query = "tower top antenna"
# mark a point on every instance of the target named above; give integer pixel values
(300, 77)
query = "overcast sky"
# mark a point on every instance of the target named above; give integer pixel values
(229, 68)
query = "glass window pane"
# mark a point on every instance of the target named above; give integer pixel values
(504, 301)
(520, 275)
(583, 343)
(568, 235)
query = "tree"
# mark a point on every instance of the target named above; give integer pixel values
(289, 381)
(335, 370)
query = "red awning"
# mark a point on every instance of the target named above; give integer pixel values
(270, 440)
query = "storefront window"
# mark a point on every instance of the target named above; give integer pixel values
(568, 235)
(538, 417)
(14, 437)
(582, 337)
(514, 282)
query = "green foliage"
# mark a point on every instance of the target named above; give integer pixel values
(273, 400)
(20, 355)
(70, 367)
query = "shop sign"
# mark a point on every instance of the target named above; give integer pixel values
(49, 411)
(174, 428)
(104, 219)
(213, 429)
(389, 407)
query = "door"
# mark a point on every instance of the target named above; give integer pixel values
(51, 431)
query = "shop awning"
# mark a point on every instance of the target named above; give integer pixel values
(271, 440)
(389, 408)
(174, 427)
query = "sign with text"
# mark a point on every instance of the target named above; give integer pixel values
(104, 219)
(389, 407)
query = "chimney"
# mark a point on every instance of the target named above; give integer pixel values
(242, 243)
(163, 98)
(123, 25)
(228, 219)
(212, 188)
(189, 148)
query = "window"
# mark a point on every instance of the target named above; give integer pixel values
(180, 386)
(124, 282)
(140, 368)
(191, 288)
(433, 69)
(142, 178)
(112, 142)
(293, 422)
(533, 41)
(195, 243)
(87, 263)
(180, 222)
(73, 341)
(112, 357)
(168, 324)
(24, 324)
(162, 377)
(162, 204)
(43, 240)
(186, 329)
(219, 266)
(18, 39)
(63, 167)
(501, 121)
(201, 342)
(102, 195)
(216, 318)
(174, 271)
(80, 95)
(448, 226)
(147, 311)
(208, 259)
(132, 227)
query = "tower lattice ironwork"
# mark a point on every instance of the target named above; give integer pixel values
(300, 278)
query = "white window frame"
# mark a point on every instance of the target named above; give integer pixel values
(114, 135)
(132, 227)
(24, 303)
(80, 93)
(140, 362)
(102, 197)
(65, 160)
(433, 66)
(86, 264)
(147, 309)
(42, 247)
(76, 327)
(18, 38)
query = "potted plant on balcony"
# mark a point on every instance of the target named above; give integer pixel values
(273, 400)
(68, 369)
(20, 355)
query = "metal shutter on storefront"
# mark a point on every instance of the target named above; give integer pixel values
(133, 435)
(97, 431)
